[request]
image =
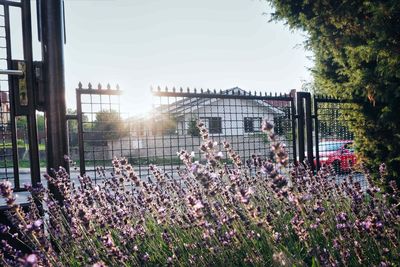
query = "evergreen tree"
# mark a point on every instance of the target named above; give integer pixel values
(356, 44)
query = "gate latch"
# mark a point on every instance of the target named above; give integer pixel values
(22, 88)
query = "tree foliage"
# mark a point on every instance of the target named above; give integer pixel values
(356, 45)
(109, 126)
(193, 130)
(22, 123)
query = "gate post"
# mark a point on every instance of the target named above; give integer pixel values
(82, 167)
(53, 58)
(300, 125)
(304, 116)
(31, 116)
(316, 132)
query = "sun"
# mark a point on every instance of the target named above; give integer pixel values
(133, 103)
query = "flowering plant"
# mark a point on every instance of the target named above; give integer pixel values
(216, 214)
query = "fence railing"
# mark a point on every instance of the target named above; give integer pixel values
(232, 115)
(315, 129)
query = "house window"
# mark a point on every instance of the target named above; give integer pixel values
(252, 125)
(213, 124)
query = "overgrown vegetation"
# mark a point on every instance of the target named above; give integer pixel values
(357, 56)
(218, 215)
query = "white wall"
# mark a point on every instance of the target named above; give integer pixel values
(232, 113)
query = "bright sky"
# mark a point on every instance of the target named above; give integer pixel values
(216, 44)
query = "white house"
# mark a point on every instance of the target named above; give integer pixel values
(222, 116)
(172, 126)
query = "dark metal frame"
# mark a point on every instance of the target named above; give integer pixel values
(160, 146)
(16, 108)
(45, 91)
(304, 117)
(302, 107)
(52, 33)
(317, 100)
(80, 91)
(246, 95)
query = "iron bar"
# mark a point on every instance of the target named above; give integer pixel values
(300, 124)
(309, 130)
(7, 3)
(12, 72)
(31, 116)
(222, 96)
(12, 97)
(294, 126)
(316, 130)
(106, 92)
(82, 166)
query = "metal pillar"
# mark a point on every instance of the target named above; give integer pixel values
(300, 125)
(52, 35)
(31, 113)
(304, 116)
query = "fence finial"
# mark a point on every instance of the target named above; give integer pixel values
(180, 89)
(195, 90)
(159, 88)
(80, 85)
(99, 86)
(173, 89)
(108, 86)
(166, 88)
(215, 91)
(117, 86)
(208, 90)
(188, 89)
(201, 90)
(89, 86)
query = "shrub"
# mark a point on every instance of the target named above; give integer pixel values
(356, 54)
(217, 214)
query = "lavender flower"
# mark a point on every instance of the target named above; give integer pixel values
(218, 214)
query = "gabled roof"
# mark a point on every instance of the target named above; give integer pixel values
(188, 104)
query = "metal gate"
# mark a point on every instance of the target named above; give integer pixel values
(234, 115)
(332, 131)
(18, 131)
(97, 110)
(324, 129)
(306, 124)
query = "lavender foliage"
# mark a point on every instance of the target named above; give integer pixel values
(218, 214)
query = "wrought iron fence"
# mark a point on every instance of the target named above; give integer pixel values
(334, 139)
(232, 115)
(319, 135)
(19, 149)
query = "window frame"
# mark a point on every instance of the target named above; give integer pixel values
(213, 130)
(249, 124)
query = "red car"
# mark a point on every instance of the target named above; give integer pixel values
(338, 154)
